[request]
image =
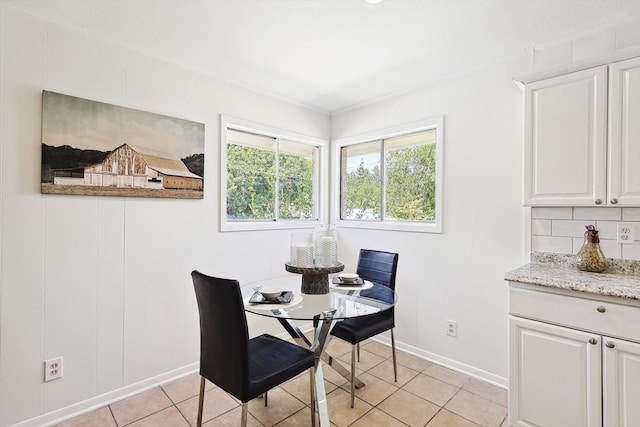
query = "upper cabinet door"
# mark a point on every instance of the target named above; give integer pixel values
(565, 139)
(624, 133)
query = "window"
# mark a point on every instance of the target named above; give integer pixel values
(391, 179)
(270, 178)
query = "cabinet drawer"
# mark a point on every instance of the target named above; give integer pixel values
(604, 318)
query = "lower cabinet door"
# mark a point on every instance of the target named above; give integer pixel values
(555, 376)
(621, 380)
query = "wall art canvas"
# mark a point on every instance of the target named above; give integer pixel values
(94, 148)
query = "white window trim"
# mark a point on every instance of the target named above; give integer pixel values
(322, 192)
(421, 125)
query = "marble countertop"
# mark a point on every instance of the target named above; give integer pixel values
(558, 271)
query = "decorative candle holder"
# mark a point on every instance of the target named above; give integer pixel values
(315, 280)
(301, 250)
(326, 247)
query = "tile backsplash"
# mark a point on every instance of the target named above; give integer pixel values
(561, 230)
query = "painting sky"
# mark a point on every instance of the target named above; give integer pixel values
(85, 124)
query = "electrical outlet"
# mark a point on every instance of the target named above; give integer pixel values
(452, 328)
(53, 369)
(626, 234)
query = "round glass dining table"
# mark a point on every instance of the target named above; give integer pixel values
(344, 301)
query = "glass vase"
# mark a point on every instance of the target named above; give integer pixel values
(590, 257)
(326, 247)
(301, 250)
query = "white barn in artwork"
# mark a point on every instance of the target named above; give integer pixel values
(136, 167)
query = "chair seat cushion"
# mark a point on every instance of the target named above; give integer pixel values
(359, 329)
(273, 361)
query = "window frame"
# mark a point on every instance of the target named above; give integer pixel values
(435, 123)
(228, 122)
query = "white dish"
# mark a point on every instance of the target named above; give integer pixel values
(271, 294)
(348, 277)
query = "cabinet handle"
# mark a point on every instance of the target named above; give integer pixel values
(614, 201)
(598, 201)
(601, 309)
(593, 341)
(610, 344)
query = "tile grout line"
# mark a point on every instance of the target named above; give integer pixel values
(153, 413)
(113, 417)
(174, 404)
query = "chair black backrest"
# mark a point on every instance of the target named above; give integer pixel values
(378, 266)
(224, 336)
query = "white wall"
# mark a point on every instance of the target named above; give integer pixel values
(458, 274)
(104, 282)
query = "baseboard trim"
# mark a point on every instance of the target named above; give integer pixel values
(62, 414)
(496, 380)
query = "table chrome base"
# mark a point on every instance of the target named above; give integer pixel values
(322, 326)
(333, 362)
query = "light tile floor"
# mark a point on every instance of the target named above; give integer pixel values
(426, 394)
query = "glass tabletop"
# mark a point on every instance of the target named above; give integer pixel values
(342, 301)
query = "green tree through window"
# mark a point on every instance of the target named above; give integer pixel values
(405, 184)
(296, 187)
(411, 183)
(269, 179)
(363, 191)
(250, 183)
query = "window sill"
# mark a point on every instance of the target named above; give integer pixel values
(391, 226)
(267, 225)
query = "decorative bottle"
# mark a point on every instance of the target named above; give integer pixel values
(590, 257)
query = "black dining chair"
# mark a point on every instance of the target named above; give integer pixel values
(245, 368)
(377, 267)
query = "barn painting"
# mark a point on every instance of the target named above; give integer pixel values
(94, 148)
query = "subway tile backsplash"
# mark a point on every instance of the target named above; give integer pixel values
(631, 214)
(605, 214)
(561, 230)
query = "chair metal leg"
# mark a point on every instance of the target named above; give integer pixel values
(393, 352)
(243, 420)
(200, 401)
(358, 347)
(353, 374)
(266, 398)
(312, 406)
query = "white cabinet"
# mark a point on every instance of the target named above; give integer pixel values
(624, 133)
(565, 139)
(572, 361)
(554, 376)
(621, 379)
(581, 138)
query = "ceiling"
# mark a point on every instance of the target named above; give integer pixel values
(331, 54)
